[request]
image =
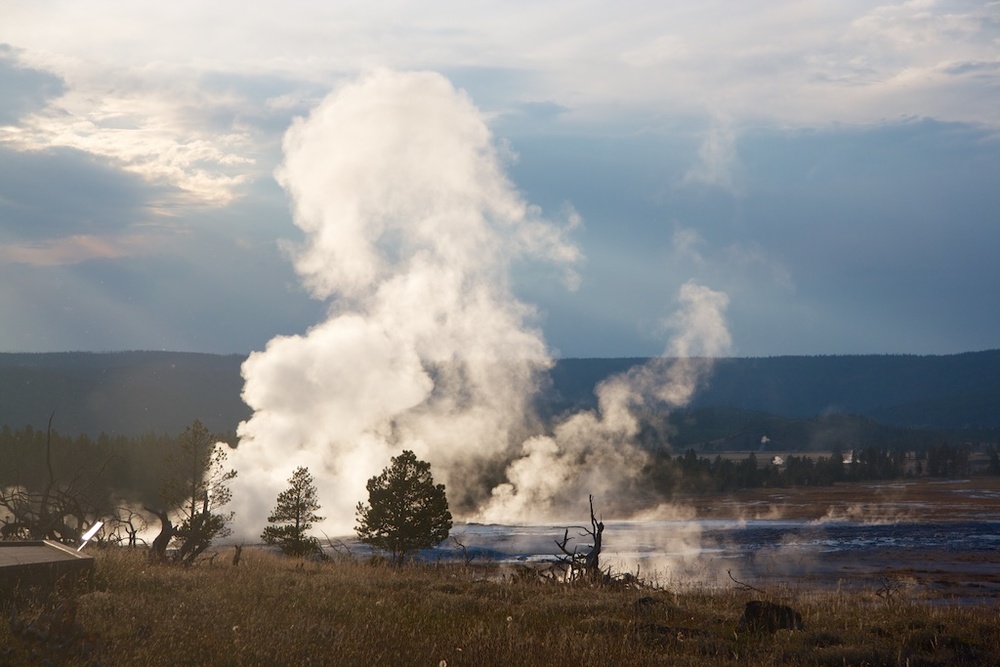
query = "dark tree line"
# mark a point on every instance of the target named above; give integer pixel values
(56, 487)
(130, 467)
(949, 461)
(691, 473)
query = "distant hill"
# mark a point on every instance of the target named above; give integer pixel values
(131, 393)
(960, 391)
(121, 393)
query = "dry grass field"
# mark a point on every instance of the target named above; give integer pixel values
(271, 610)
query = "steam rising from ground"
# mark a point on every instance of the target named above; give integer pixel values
(596, 452)
(411, 227)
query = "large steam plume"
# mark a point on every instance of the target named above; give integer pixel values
(411, 227)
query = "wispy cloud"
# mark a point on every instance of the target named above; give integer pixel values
(717, 158)
(70, 250)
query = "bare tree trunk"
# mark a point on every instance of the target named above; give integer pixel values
(584, 565)
(592, 562)
(158, 551)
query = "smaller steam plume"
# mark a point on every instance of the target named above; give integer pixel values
(411, 226)
(597, 451)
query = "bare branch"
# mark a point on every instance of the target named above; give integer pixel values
(745, 586)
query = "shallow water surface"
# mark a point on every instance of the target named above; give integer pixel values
(935, 559)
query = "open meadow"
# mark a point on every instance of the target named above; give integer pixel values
(272, 610)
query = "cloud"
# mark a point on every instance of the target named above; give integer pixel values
(662, 49)
(717, 159)
(24, 89)
(541, 111)
(685, 245)
(154, 122)
(784, 62)
(65, 207)
(202, 170)
(69, 250)
(600, 106)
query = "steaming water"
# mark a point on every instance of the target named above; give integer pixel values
(956, 559)
(732, 540)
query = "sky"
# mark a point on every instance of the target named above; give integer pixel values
(832, 168)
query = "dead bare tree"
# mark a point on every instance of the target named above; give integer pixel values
(890, 588)
(743, 586)
(158, 550)
(60, 511)
(467, 558)
(339, 548)
(124, 527)
(583, 566)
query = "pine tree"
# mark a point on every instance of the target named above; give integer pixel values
(406, 511)
(195, 489)
(296, 507)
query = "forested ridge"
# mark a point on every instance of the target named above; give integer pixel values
(135, 393)
(121, 393)
(959, 391)
(117, 419)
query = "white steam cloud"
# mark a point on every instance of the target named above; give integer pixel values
(597, 451)
(411, 227)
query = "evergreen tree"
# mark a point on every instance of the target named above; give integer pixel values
(296, 507)
(196, 490)
(406, 511)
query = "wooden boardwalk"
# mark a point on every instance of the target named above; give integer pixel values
(41, 563)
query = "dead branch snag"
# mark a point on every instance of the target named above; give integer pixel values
(467, 558)
(890, 588)
(340, 549)
(158, 551)
(743, 586)
(60, 511)
(124, 527)
(584, 566)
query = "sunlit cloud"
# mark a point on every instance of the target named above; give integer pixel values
(142, 136)
(154, 121)
(786, 62)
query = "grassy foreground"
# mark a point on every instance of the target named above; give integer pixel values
(271, 610)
